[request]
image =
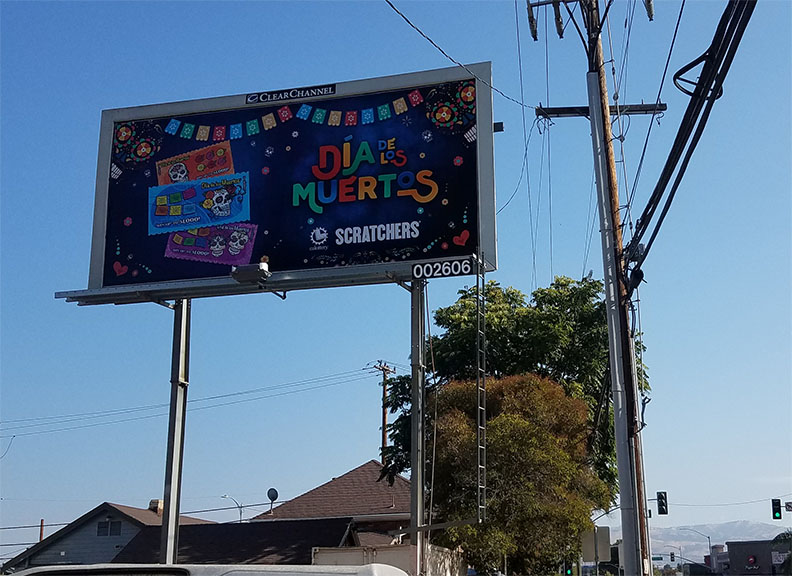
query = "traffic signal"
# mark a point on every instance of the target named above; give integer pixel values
(662, 503)
(673, 557)
(776, 509)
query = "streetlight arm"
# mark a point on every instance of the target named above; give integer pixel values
(238, 505)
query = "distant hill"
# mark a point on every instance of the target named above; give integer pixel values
(694, 546)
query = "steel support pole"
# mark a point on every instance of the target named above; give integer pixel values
(627, 485)
(180, 373)
(417, 456)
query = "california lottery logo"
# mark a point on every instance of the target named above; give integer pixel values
(319, 236)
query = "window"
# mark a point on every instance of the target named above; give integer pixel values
(108, 528)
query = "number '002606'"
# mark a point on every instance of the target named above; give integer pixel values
(442, 269)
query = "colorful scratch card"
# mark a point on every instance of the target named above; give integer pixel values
(202, 163)
(199, 203)
(230, 244)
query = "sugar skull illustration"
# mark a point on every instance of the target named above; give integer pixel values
(178, 172)
(217, 245)
(237, 241)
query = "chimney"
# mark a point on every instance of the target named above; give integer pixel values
(156, 506)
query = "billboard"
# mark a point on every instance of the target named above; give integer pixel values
(339, 184)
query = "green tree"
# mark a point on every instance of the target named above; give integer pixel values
(551, 452)
(541, 488)
(561, 334)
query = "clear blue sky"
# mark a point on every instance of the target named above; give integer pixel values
(715, 309)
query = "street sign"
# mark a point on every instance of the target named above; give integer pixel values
(788, 506)
(657, 558)
(599, 552)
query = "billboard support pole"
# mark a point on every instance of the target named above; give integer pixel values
(180, 373)
(417, 457)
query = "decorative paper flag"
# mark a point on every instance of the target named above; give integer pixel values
(252, 127)
(236, 131)
(367, 116)
(285, 113)
(304, 112)
(173, 126)
(400, 106)
(415, 97)
(351, 118)
(383, 112)
(187, 131)
(219, 133)
(203, 133)
(319, 116)
(268, 121)
(335, 118)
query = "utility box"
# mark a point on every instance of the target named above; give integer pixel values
(439, 561)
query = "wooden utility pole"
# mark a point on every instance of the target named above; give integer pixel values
(622, 355)
(624, 382)
(385, 369)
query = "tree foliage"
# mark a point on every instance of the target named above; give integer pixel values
(550, 442)
(541, 489)
(561, 334)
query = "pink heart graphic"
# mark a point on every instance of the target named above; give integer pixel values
(119, 268)
(462, 239)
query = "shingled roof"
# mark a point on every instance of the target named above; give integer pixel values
(276, 542)
(142, 518)
(356, 493)
(148, 517)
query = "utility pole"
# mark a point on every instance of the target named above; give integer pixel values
(624, 382)
(622, 357)
(385, 369)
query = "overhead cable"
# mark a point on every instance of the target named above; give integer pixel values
(457, 62)
(717, 60)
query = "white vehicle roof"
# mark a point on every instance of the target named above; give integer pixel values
(211, 570)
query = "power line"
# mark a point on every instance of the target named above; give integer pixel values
(657, 101)
(332, 380)
(526, 138)
(591, 220)
(728, 503)
(716, 63)
(444, 53)
(65, 418)
(33, 526)
(522, 171)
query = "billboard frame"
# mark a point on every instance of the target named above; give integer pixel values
(282, 281)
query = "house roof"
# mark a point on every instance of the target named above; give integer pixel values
(148, 517)
(356, 493)
(141, 517)
(276, 542)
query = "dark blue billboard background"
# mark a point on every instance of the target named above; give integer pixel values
(341, 182)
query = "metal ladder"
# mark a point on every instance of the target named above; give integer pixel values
(481, 393)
